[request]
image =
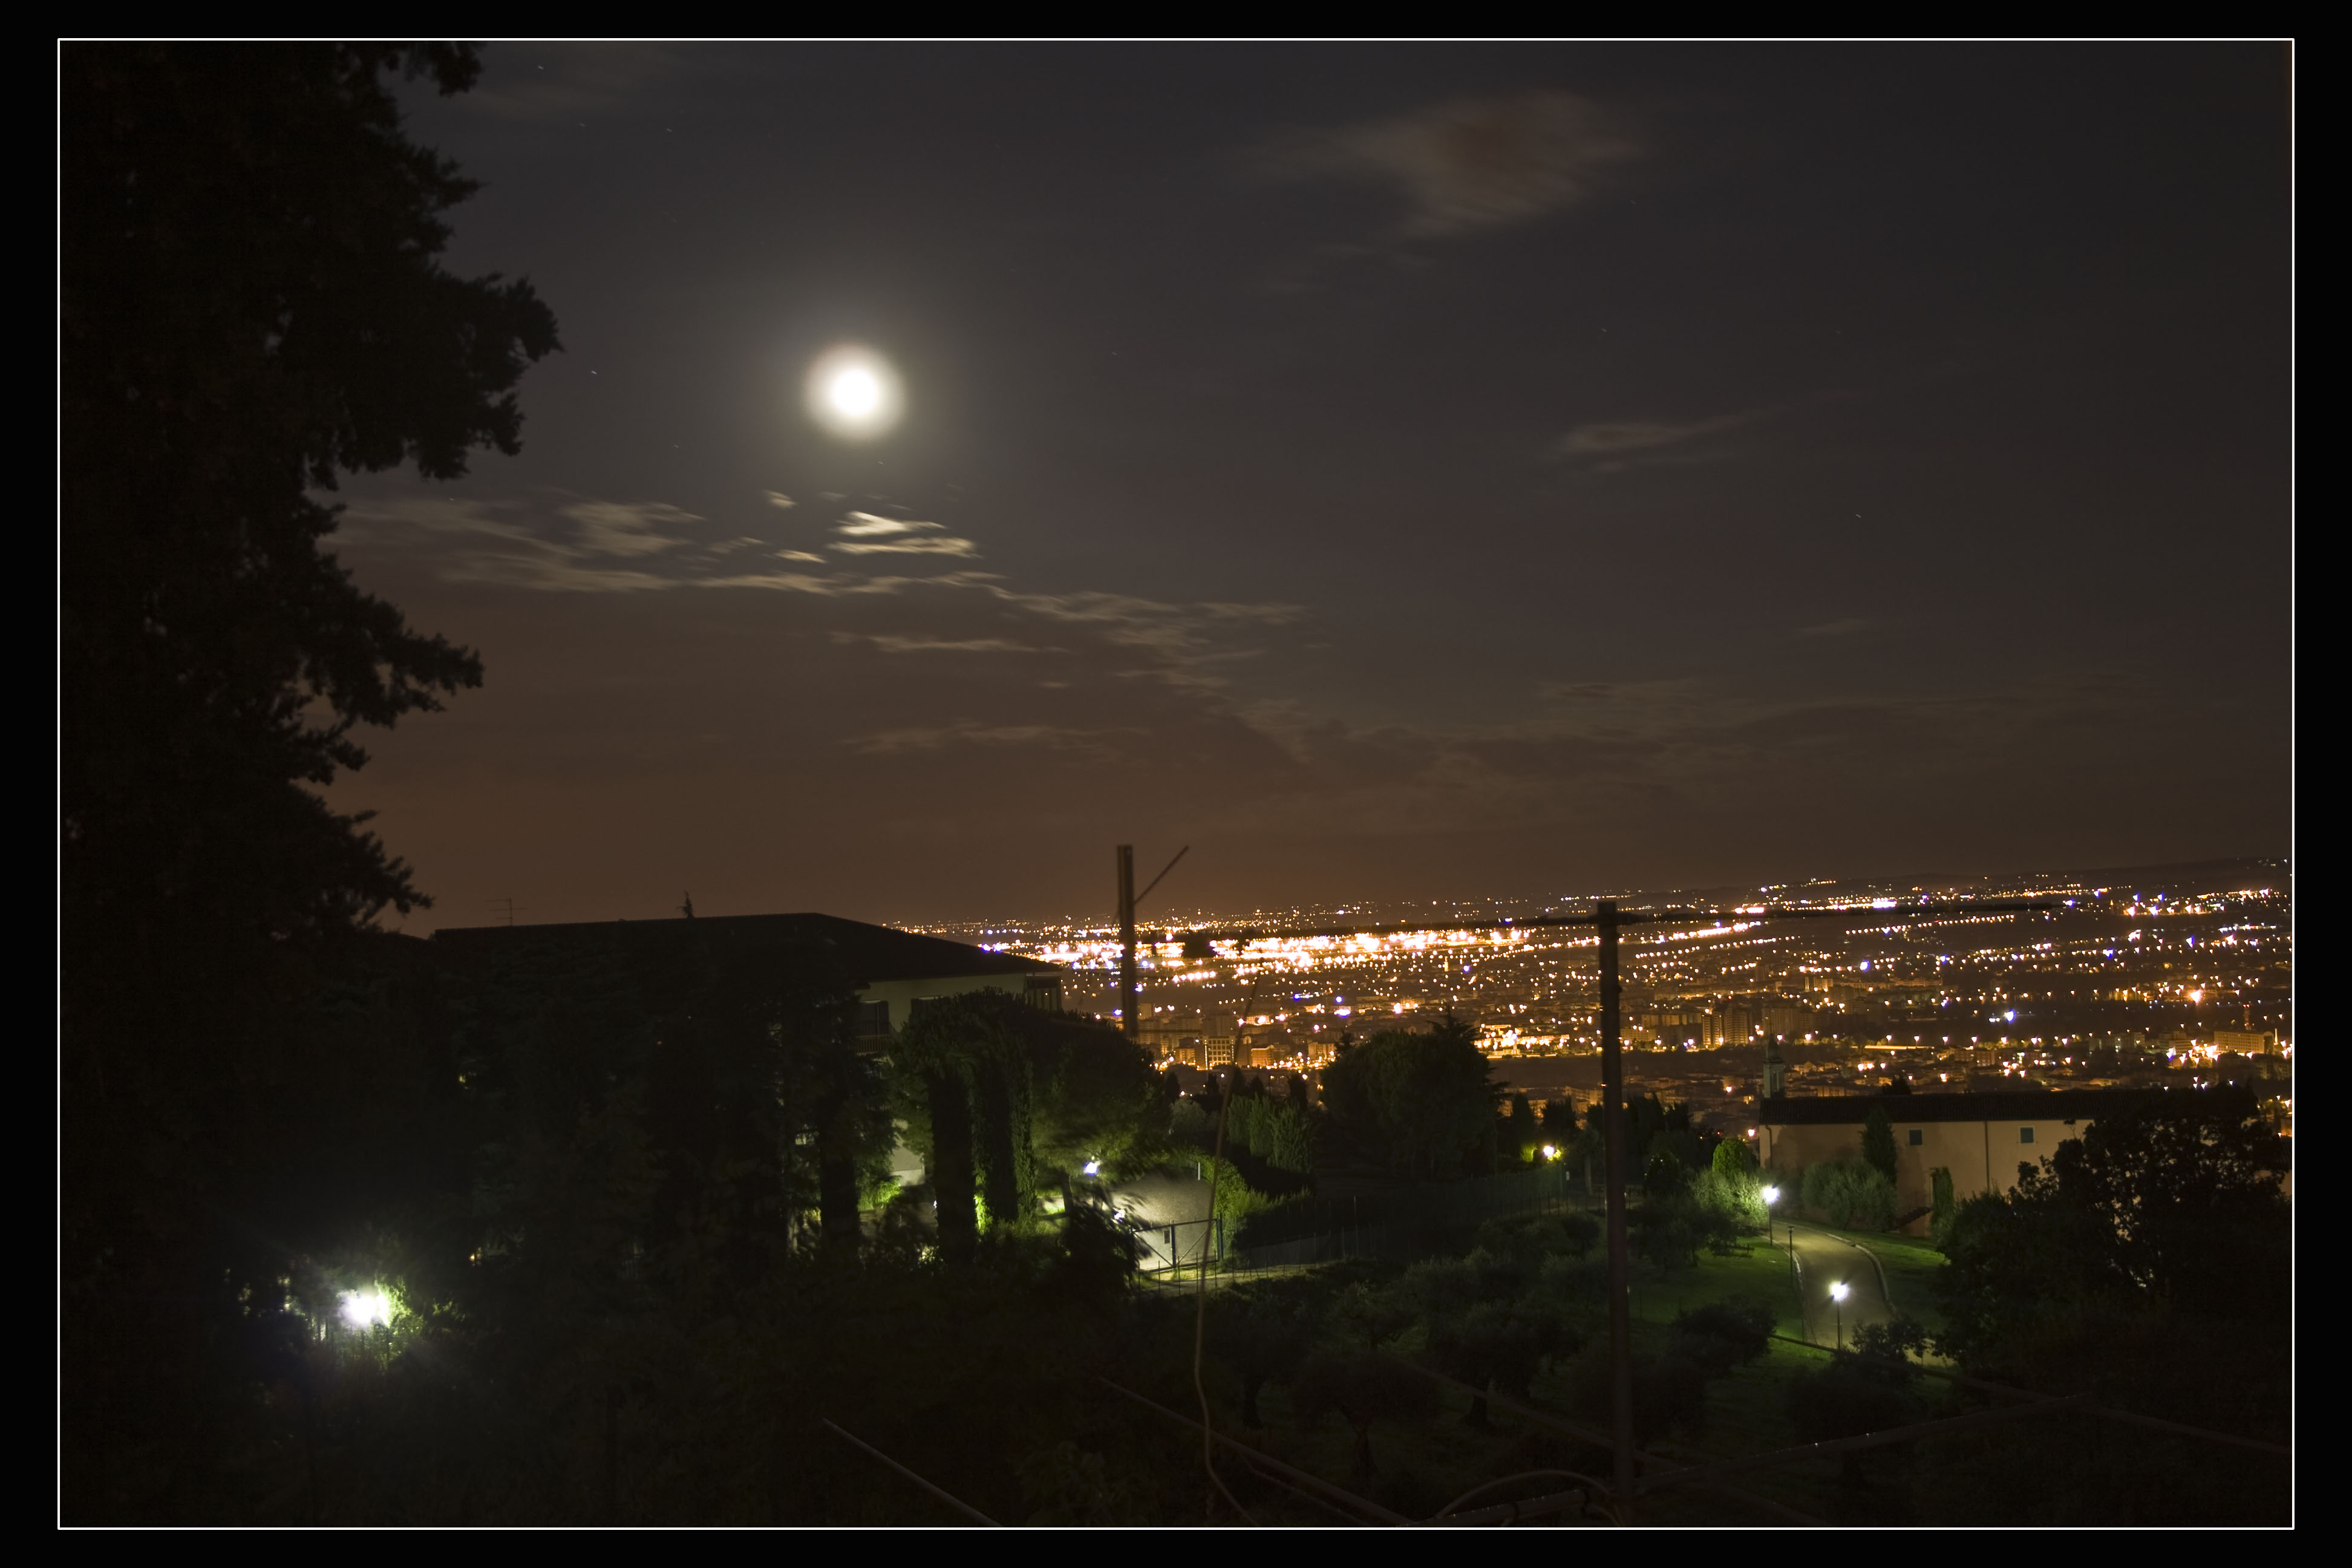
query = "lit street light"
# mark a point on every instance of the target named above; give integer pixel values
(1837, 1299)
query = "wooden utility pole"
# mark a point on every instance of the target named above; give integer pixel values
(1606, 917)
(1621, 1264)
(1127, 898)
(1127, 1020)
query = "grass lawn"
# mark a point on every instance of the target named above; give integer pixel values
(1911, 1267)
(1758, 1270)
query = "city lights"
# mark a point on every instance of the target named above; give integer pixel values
(2072, 1001)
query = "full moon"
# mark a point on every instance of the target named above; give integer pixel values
(853, 392)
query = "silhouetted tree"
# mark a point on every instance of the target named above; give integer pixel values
(1420, 1104)
(1263, 1336)
(1725, 1334)
(1878, 1143)
(250, 305)
(1525, 1132)
(1944, 1207)
(1363, 1389)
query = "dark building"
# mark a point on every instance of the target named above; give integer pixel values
(889, 970)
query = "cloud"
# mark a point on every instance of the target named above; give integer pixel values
(969, 732)
(568, 544)
(866, 533)
(1468, 163)
(1622, 438)
(1834, 628)
(946, 545)
(624, 528)
(891, 643)
(780, 501)
(867, 525)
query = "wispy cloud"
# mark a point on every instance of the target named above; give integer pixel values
(625, 529)
(567, 544)
(971, 732)
(921, 544)
(865, 533)
(1467, 164)
(892, 643)
(1610, 445)
(867, 525)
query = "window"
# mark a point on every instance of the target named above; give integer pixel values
(1918, 1137)
(873, 1018)
(2025, 1134)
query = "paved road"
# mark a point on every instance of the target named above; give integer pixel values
(1823, 1260)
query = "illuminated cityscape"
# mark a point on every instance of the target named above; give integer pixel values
(2163, 975)
(859, 784)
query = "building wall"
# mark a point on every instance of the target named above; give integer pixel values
(902, 994)
(1982, 1157)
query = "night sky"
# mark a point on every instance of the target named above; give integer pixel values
(1396, 472)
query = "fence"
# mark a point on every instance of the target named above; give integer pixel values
(1398, 1222)
(1185, 1245)
(1401, 1222)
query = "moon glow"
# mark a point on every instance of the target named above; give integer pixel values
(853, 392)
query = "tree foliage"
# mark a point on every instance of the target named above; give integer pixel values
(1362, 1388)
(1878, 1144)
(1852, 1194)
(1418, 1104)
(250, 305)
(2175, 1204)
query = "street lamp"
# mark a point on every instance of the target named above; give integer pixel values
(1837, 1297)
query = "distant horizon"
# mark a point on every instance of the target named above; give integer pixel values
(1204, 914)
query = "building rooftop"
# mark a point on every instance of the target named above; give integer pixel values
(2007, 1105)
(868, 954)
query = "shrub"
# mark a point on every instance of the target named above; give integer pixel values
(1669, 1392)
(1725, 1334)
(1851, 1194)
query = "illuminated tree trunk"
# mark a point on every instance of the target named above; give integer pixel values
(1002, 1138)
(951, 1166)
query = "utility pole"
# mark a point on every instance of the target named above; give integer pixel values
(1621, 1264)
(1606, 917)
(1127, 898)
(1127, 938)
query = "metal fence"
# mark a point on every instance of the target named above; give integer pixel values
(1188, 1244)
(1401, 1222)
